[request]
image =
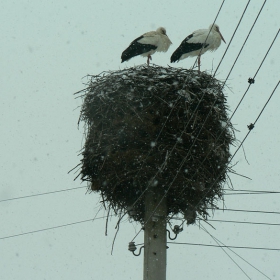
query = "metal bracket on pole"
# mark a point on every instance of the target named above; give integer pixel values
(132, 248)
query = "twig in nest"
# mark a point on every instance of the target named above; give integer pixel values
(106, 228)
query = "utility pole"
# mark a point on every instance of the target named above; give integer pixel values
(155, 235)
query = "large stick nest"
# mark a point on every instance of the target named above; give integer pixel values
(156, 127)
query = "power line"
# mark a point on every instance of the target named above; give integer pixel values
(244, 41)
(241, 98)
(190, 120)
(220, 242)
(233, 190)
(230, 43)
(252, 193)
(250, 127)
(250, 83)
(248, 211)
(175, 144)
(225, 246)
(183, 161)
(231, 115)
(213, 77)
(55, 227)
(169, 157)
(267, 100)
(173, 108)
(71, 189)
(39, 194)
(225, 251)
(211, 29)
(240, 49)
(229, 221)
(240, 222)
(244, 193)
(229, 255)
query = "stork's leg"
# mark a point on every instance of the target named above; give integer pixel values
(148, 60)
(199, 63)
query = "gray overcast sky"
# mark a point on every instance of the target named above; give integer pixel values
(46, 49)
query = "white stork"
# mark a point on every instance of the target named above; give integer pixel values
(148, 44)
(196, 43)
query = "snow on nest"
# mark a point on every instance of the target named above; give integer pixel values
(151, 123)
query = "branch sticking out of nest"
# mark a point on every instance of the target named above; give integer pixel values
(141, 123)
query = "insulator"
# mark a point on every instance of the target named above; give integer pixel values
(250, 126)
(251, 81)
(177, 229)
(131, 246)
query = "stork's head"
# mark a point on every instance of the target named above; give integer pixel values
(161, 30)
(215, 28)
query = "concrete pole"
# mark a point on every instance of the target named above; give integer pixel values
(155, 235)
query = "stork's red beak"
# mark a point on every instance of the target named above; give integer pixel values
(222, 37)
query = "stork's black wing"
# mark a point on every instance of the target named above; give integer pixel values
(186, 47)
(136, 48)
